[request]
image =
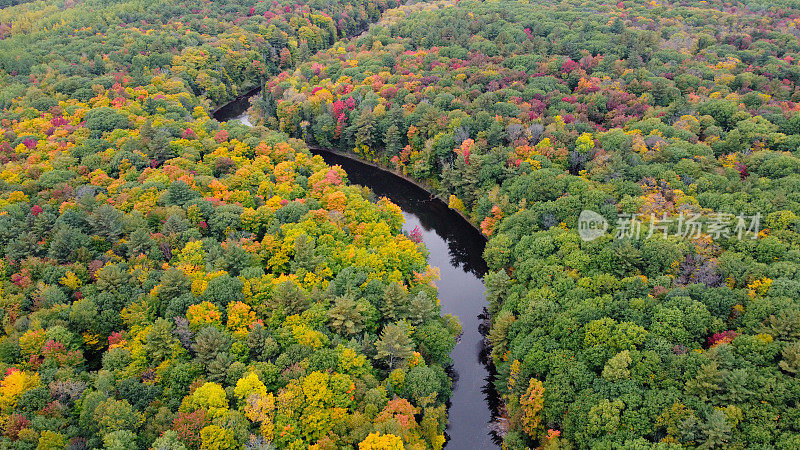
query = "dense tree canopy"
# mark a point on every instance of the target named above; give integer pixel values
(522, 115)
(168, 281)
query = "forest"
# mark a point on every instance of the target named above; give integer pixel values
(521, 115)
(169, 281)
(172, 282)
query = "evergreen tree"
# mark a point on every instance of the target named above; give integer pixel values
(305, 258)
(421, 309)
(392, 140)
(395, 345)
(394, 306)
(365, 128)
(347, 316)
(289, 298)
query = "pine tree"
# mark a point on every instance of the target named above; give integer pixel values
(716, 430)
(394, 302)
(791, 358)
(289, 297)
(392, 140)
(208, 343)
(347, 316)
(365, 128)
(395, 343)
(421, 309)
(305, 257)
(107, 222)
(707, 382)
(160, 341)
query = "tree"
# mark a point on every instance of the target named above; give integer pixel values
(498, 335)
(393, 140)
(425, 383)
(531, 404)
(421, 309)
(707, 382)
(179, 193)
(435, 342)
(394, 306)
(208, 343)
(105, 119)
(188, 425)
(120, 440)
(395, 343)
(791, 358)
(617, 367)
(377, 441)
(65, 242)
(348, 316)
(169, 440)
(107, 222)
(211, 398)
(365, 128)
(288, 298)
(223, 289)
(305, 258)
(604, 417)
(215, 437)
(160, 344)
(240, 317)
(716, 430)
(50, 440)
(140, 242)
(173, 283)
(249, 385)
(115, 415)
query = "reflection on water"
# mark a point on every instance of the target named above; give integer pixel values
(456, 248)
(237, 109)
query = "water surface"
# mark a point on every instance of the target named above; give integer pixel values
(456, 248)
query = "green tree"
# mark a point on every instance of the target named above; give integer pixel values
(348, 316)
(160, 343)
(116, 415)
(289, 298)
(421, 309)
(365, 128)
(791, 358)
(395, 345)
(395, 304)
(105, 119)
(120, 440)
(305, 258)
(393, 140)
(208, 343)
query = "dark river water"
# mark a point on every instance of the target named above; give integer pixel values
(456, 248)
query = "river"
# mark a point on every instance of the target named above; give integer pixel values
(456, 248)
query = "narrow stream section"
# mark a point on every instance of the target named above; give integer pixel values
(456, 248)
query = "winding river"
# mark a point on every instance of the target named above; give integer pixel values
(457, 249)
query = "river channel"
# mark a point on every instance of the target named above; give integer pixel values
(456, 248)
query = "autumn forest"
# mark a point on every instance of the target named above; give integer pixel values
(173, 281)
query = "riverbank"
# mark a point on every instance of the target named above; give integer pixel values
(455, 246)
(420, 184)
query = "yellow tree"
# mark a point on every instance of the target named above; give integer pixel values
(531, 404)
(376, 441)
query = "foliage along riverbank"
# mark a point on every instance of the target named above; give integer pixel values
(169, 282)
(524, 115)
(405, 177)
